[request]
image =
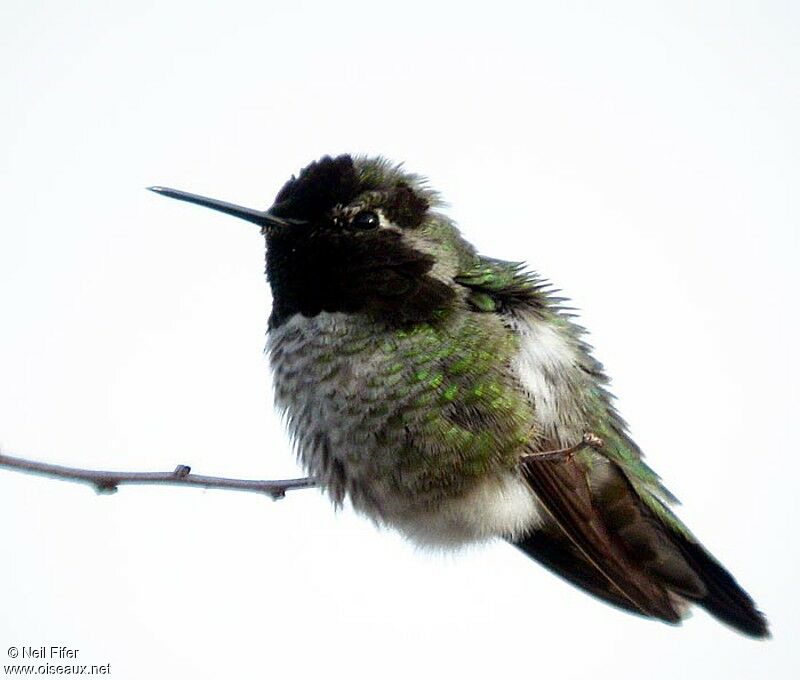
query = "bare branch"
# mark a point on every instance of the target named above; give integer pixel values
(106, 481)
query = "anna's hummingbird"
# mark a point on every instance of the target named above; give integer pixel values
(452, 397)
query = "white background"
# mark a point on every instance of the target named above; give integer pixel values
(642, 155)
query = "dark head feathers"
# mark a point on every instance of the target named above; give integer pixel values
(321, 186)
(330, 182)
(404, 207)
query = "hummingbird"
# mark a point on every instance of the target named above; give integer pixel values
(454, 398)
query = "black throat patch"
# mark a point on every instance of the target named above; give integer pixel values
(375, 273)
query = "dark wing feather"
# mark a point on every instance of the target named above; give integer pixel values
(553, 549)
(725, 598)
(562, 488)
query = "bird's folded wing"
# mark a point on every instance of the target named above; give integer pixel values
(562, 488)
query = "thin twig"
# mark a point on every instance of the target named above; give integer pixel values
(106, 481)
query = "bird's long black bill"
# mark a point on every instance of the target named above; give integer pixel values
(261, 218)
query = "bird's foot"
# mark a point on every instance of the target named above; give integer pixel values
(589, 440)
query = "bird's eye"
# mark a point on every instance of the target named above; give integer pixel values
(366, 219)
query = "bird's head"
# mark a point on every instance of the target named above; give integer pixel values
(355, 235)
